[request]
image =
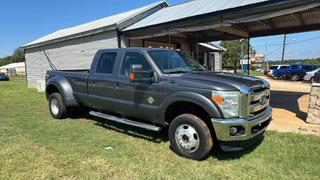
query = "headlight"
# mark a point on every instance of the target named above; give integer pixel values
(228, 101)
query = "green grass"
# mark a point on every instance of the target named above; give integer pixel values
(256, 73)
(253, 73)
(34, 146)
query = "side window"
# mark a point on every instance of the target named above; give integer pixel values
(307, 68)
(131, 58)
(106, 62)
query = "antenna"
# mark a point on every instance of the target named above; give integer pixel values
(53, 67)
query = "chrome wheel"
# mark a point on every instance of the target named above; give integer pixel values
(54, 105)
(187, 138)
(295, 78)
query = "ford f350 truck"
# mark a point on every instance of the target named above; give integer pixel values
(158, 88)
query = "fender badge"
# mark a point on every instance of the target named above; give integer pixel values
(150, 100)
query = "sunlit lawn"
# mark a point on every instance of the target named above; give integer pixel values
(34, 146)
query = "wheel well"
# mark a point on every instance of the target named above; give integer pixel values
(179, 108)
(51, 89)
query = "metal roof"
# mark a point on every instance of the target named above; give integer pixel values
(190, 9)
(13, 65)
(212, 46)
(111, 21)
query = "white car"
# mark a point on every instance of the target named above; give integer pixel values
(309, 75)
(275, 67)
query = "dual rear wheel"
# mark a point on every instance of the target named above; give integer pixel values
(57, 108)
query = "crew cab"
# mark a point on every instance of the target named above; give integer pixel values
(294, 72)
(157, 89)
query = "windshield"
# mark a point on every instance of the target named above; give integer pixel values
(273, 67)
(284, 67)
(170, 62)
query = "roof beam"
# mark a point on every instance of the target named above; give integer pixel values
(299, 17)
(233, 31)
(288, 30)
(268, 24)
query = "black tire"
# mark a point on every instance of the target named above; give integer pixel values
(57, 108)
(312, 80)
(202, 135)
(295, 77)
(282, 77)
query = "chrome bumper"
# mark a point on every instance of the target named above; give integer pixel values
(222, 127)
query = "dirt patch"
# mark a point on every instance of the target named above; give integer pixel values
(290, 101)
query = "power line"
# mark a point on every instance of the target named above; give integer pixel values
(289, 43)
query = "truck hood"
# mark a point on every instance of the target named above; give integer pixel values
(218, 81)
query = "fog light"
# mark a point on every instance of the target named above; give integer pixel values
(237, 131)
(233, 131)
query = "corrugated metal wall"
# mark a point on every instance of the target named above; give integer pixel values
(67, 55)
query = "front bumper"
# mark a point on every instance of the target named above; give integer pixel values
(251, 128)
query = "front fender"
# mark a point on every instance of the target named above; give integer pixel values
(191, 97)
(65, 89)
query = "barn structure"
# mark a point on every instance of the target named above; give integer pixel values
(14, 69)
(182, 26)
(75, 47)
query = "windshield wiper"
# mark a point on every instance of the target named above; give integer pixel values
(177, 72)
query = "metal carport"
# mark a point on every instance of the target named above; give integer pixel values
(211, 20)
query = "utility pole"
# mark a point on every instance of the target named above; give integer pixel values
(266, 58)
(249, 57)
(284, 46)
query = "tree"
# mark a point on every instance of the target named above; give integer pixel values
(236, 50)
(17, 56)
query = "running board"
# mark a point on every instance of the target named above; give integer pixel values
(125, 121)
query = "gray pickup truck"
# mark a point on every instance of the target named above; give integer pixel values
(159, 89)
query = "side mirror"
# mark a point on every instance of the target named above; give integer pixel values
(138, 75)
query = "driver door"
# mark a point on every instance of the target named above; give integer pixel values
(137, 99)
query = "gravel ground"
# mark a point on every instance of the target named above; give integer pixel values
(290, 101)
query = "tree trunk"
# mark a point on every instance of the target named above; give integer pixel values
(235, 66)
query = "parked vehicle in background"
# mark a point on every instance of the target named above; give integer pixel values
(159, 88)
(4, 77)
(294, 72)
(310, 75)
(273, 68)
(316, 78)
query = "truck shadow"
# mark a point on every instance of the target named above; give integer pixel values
(217, 153)
(155, 137)
(288, 101)
(162, 136)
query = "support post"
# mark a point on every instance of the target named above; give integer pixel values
(248, 56)
(119, 38)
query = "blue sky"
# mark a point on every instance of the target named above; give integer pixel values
(23, 21)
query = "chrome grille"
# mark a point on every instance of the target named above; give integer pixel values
(259, 101)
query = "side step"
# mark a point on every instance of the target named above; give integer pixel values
(125, 121)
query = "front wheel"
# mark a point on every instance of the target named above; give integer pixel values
(190, 137)
(295, 77)
(57, 107)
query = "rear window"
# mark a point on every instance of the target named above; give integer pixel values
(106, 62)
(295, 67)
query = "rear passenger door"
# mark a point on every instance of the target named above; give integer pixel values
(102, 82)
